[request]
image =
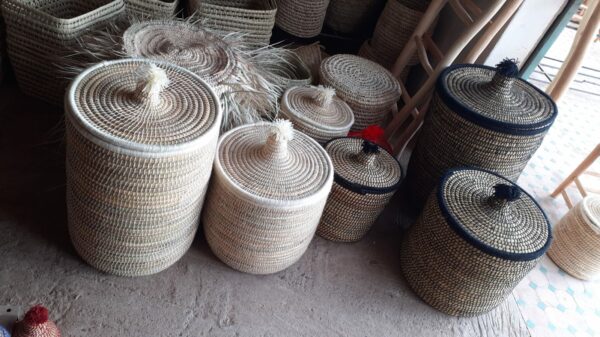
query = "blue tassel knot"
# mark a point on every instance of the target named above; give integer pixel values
(507, 192)
(508, 67)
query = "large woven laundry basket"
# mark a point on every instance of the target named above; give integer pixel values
(39, 30)
(302, 18)
(366, 178)
(476, 239)
(253, 18)
(483, 117)
(368, 88)
(267, 194)
(353, 16)
(151, 9)
(141, 138)
(576, 246)
(317, 112)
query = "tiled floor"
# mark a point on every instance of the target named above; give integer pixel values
(553, 303)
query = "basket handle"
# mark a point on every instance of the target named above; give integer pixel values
(151, 81)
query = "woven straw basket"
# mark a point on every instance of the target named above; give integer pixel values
(141, 138)
(254, 18)
(267, 194)
(152, 8)
(366, 178)
(291, 73)
(317, 112)
(367, 51)
(482, 117)
(576, 248)
(476, 239)
(38, 30)
(353, 16)
(302, 18)
(368, 88)
(312, 56)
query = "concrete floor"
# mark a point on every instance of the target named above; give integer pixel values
(334, 290)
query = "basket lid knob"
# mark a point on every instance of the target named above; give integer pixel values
(504, 193)
(368, 153)
(324, 96)
(506, 73)
(152, 80)
(280, 133)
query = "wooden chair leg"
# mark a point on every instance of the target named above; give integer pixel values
(587, 162)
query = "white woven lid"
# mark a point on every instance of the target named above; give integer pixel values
(143, 105)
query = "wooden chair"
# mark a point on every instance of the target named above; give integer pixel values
(574, 178)
(406, 122)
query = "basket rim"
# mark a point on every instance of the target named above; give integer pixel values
(114, 143)
(476, 242)
(364, 189)
(486, 122)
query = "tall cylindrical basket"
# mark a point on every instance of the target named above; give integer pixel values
(302, 18)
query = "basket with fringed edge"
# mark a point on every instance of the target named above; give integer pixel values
(37, 30)
(154, 9)
(254, 18)
(317, 112)
(368, 88)
(366, 178)
(267, 193)
(312, 56)
(141, 138)
(301, 18)
(479, 235)
(353, 16)
(576, 246)
(483, 117)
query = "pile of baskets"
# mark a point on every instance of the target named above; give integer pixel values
(39, 30)
(152, 8)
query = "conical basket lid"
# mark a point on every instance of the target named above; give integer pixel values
(493, 214)
(496, 98)
(271, 161)
(363, 167)
(143, 105)
(317, 107)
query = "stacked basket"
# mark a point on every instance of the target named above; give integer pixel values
(368, 88)
(353, 16)
(576, 248)
(152, 8)
(141, 138)
(478, 236)
(481, 117)
(38, 30)
(366, 178)
(302, 18)
(254, 18)
(317, 112)
(267, 194)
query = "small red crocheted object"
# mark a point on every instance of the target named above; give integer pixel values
(36, 324)
(374, 134)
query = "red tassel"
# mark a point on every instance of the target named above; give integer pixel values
(36, 315)
(374, 134)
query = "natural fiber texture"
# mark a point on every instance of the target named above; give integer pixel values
(141, 138)
(353, 16)
(576, 248)
(366, 178)
(366, 51)
(254, 18)
(35, 324)
(473, 243)
(152, 8)
(302, 18)
(312, 56)
(317, 112)
(269, 187)
(37, 30)
(368, 88)
(481, 118)
(393, 31)
(287, 72)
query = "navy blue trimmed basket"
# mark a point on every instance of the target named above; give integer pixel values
(477, 238)
(483, 117)
(366, 177)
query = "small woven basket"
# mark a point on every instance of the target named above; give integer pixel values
(368, 88)
(476, 239)
(38, 30)
(317, 112)
(152, 9)
(254, 18)
(267, 194)
(366, 178)
(141, 138)
(353, 16)
(576, 248)
(312, 56)
(482, 117)
(302, 18)
(290, 73)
